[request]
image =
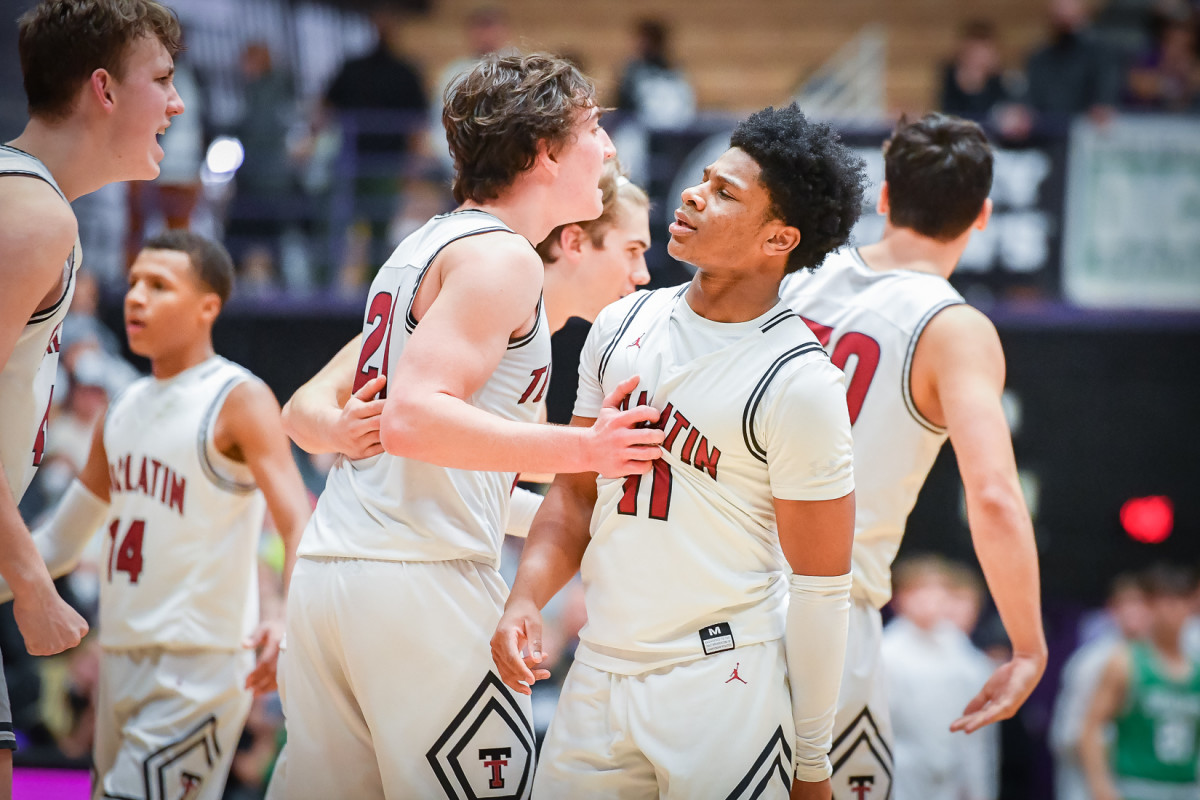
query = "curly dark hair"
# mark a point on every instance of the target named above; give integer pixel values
(815, 183)
(62, 42)
(939, 173)
(497, 113)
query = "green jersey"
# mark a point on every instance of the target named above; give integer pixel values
(1157, 744)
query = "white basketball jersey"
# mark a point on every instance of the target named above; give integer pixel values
(181, 568)
(870, 321)
(685, 561)
(27, 378)
(400, 509)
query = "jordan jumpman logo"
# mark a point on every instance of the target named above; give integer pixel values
(735, 676)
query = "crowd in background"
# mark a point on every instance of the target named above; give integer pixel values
(326, 186)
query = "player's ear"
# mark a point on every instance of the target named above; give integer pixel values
(210, 307)
(883, 204)
(99, 87)
(546, 157)
(570, 242)
(985, 214)
(782, 241)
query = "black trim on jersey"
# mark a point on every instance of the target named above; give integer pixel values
(111, 796)
(777, 740)
(208, 722)
(864, 715)
(410, 322)
(906, 372)
(525, 339)
(752, 444)
(775, 320)
(612, 346)
(48, 312)
(206, 423)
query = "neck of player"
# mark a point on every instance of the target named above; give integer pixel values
(734, 296)
(518, 211)
(904, 248)
(65, 153)
(169, 364)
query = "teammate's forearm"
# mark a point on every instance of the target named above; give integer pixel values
(309, 418)
(555, 547)
(21, 564)
(446, 431)
(1004, 543)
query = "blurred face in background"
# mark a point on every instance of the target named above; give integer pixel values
(1130, 612)
(617, 266)
(923, 600)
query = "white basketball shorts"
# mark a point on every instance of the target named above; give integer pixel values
(388, 685)
(861, 753)
(168, 722)
(717, 727)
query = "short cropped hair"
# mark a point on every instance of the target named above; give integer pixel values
(498, 112)
(210, 261)
(616, 190)
(62, 42)
(1168, 580)
(815, 182)
(939, 174)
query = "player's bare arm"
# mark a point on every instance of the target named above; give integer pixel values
(83, 508)
(1106, 703)
(487, 290)
(249, 429)
(324, 416)
(31, 273)
(557, 540)
(817, 538)
(958, 378)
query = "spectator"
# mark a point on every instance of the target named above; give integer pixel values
(1073, 73)
(972, 84)
(658, 93)
(1167, 76)
(933, 671)
(1126, 608)
(374, 93)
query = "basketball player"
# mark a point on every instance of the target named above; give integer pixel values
(388, 689)
(1149, 697)
(588, 265)
(710, 581)
(180, 472)
(890, 319)
(97, 77)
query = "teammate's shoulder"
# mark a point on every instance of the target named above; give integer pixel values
(959, 322)
(499, 245)
(34, 216)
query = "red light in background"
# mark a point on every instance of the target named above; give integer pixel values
(1148, 519)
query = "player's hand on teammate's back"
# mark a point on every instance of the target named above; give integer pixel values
(265, 640)
(48, 623)
(357, 428)
(803, 790)
(1001, 697)
(520, 627)
(624, 442)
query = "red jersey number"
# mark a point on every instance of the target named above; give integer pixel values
(866, 353)
(380, 314)
(128, 556)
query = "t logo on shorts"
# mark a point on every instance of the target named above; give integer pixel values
(861, 785)
(497, 759)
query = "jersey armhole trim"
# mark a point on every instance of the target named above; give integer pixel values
(906, 373)
(410, 322)
(755, 448)
(203, 437)
(612, 345)
(49, 311)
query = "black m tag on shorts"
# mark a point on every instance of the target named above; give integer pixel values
(716, 638)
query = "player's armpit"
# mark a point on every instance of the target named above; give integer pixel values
(249, 429)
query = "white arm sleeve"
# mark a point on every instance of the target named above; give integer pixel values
(521, 507)
(63, 538)
(818, 618)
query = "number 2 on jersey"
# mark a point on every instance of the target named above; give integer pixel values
(866, 352)
(128, 556)
(381, 315)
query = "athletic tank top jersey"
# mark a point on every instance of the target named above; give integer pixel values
(182, 534)
(869, 322)
(1158, 732)
(27, 379)
(685, 561)
(399, 509)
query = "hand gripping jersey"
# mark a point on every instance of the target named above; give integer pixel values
(685, 561)
(398, 509)
(180, 566)
(870, 321)
(27, 379)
